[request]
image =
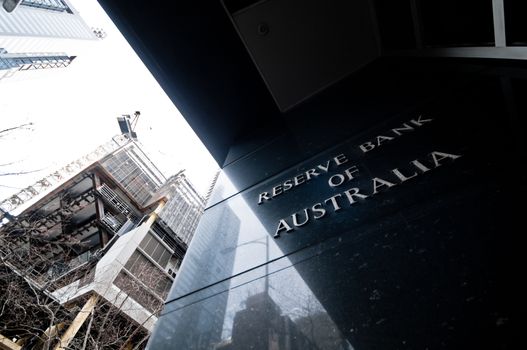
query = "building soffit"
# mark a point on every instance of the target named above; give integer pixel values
(226, 65)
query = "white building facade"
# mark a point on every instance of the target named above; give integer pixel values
(45, 18)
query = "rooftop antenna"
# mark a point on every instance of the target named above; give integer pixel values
(127, 127)
(136, 119)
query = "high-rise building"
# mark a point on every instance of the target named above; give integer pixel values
(374, 152)
(184, 210)
(112, 231)
(10, 63)
(44, 18)
(35, 30)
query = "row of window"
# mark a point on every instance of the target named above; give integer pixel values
(131, 176)
(37, 62)
(52, 5)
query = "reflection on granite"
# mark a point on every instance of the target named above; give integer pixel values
(260, 314)
(431, 262)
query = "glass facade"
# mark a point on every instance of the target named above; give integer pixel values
(134, 172)
(45, 18)
(183, 209)
(30, 61)
(52, 5)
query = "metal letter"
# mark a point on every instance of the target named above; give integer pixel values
(340, 159)
(287, 185)
(282, 225)
(366, 147)
(419, 121)
(402, 177)
(354, 194)
(295, 221)
(311, 172)
(350, 171)
(317, 208)
(277, 190)
(378, 182)
(405, 127)
(420, 166)
(263, 196)
(333, 200)
(339, 176)
(381, 139)
(439, 156)
(296, 178)
(324, 168)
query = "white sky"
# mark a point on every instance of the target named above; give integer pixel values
(74, 109)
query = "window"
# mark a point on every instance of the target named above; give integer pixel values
(149, 274)
(155, 250)
(52, 5)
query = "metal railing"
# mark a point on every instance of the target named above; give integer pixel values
(113, 199)
(111, 223)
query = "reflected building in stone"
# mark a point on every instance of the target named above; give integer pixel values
(221, 258)
(261, 325)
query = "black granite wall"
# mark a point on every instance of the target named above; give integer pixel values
(417, 246)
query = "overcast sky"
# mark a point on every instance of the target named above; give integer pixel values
(75, 110)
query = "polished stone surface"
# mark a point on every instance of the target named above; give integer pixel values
(426, 263)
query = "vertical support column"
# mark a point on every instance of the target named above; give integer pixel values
(77, 323)
(418, 25)
(99, 209)
(498, 13)
(155, 213)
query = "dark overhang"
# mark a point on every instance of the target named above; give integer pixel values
(193, 51)
(235, 65)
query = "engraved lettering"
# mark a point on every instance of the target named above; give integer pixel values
(381, 139)
(405, 127)
(334, 202)
(311, 172)
(367, 146)
(340, 159)
(299, 179)
(340, 179)
(419, 121)
(401, 176)
(282, 225)
(295, 219)
(378, 183)
(277, 190)
(420, 166)
(317, 208)
(355, 193)
(324, 168)
(439, 156)
(350, 171)
(263, 196)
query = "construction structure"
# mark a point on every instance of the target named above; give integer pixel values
(100, 240)
(10, 63)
